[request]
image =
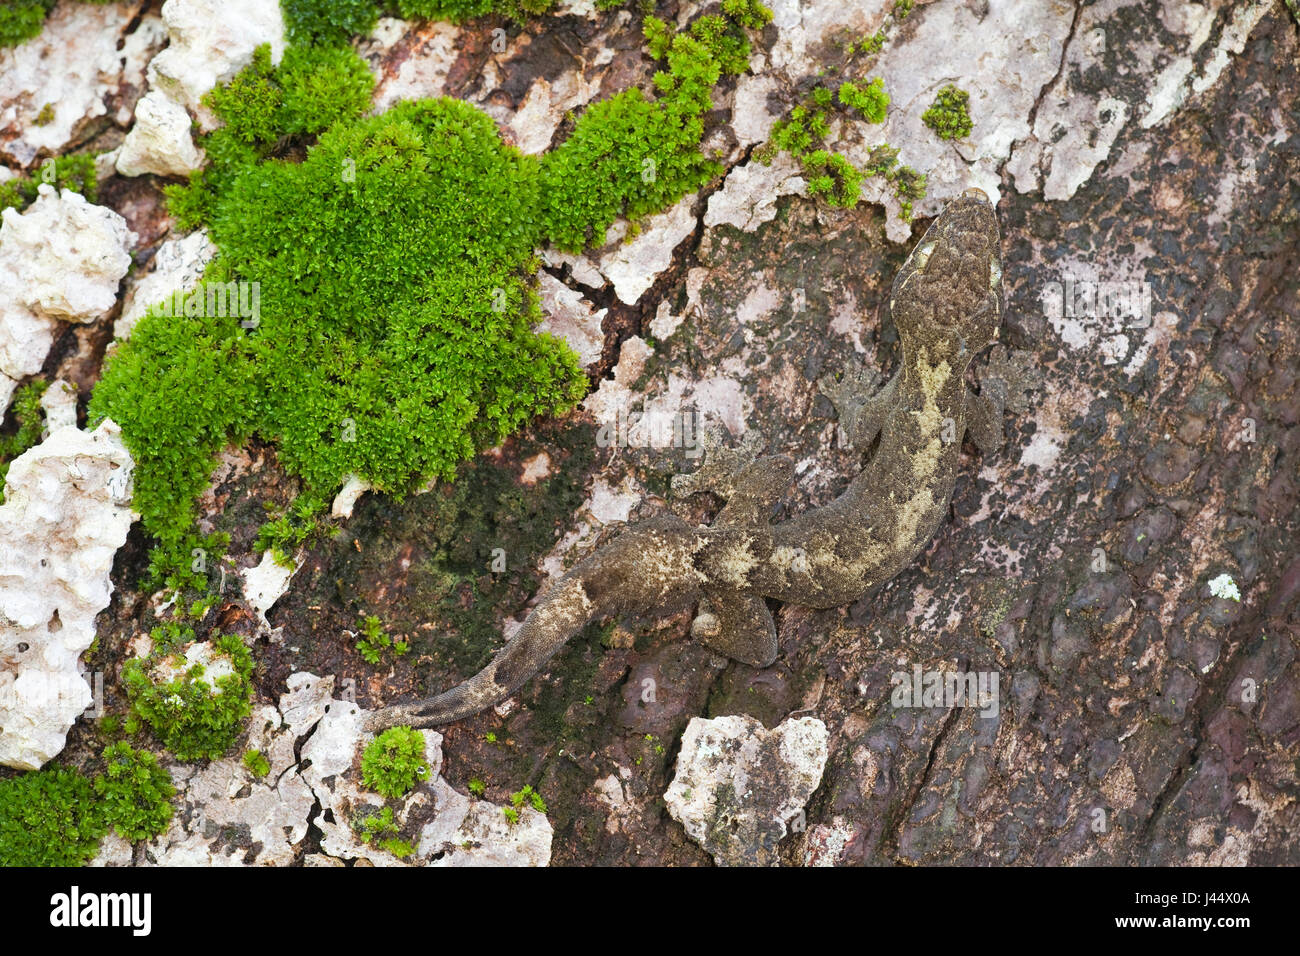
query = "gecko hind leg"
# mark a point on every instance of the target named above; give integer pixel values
(738, 625)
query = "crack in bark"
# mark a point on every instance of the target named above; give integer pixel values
(892, 830)
(1047, 87)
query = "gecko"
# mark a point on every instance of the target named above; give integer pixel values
(947, 304)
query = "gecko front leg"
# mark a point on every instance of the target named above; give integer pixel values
(861, 405)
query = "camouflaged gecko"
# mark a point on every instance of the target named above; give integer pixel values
(947, 303)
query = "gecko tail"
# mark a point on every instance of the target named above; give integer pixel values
(563, 612)
(648, 567)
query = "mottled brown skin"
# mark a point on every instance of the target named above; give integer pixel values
(947, 303)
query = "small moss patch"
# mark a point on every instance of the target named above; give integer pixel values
(75, 172)
(949, 116)
(26, 411)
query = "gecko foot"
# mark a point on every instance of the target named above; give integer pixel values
(737, 625)
(721, 465)
(1004, 384)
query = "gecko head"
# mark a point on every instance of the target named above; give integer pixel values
(949, 291)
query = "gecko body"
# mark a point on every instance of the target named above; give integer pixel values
(947, 303)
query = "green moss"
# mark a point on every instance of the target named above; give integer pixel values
(394, 335)
(335, 22)
(322, 86)
(301, 521)
(134, 793)
(194, 718)
(750, 14)
(250, 103)
(394, 762)
(312, 88)
(75, 172)
(870, 99)
(477, 787)
(256, 763)
(829, 175)
(519, 798)
(381, 829)
(330, 22)
(907, 182)
(264, 107)
(26, 411)
(871, 44)
(949, 116)
(49, 818)
(374, 640)
(45, 117)
(902, 8)
(181, 389)
(631, 155)
(458, 11)
(833, 176)
(20, 20)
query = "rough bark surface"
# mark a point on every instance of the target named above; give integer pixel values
(1143, 719)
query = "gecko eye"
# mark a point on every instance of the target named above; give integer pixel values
(921, 256)
(995, 275)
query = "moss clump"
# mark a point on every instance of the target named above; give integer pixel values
(312, 88)
(26, 411)
(630, 155)
(181, 389)
(830, 175)
(266, 107)
(300, 522)
(833, 176)
(381, 829)
(329, 22)
(49, 818)
(20, 20)
(458, 11)
(394, 333)
(134, 793)
(393, 763)
(194, 717)
(256, 763)
(949, 116)
(334, 22)
(870, 99)
(519, 798)
(908, 184)
(75, 172)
